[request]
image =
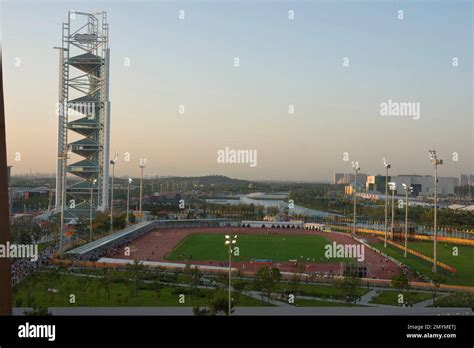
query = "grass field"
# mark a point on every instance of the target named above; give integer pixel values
(90, 292)
(464, 262)
(280, 248)
(300, 302)
(391, 297)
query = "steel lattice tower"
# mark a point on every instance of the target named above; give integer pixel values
(83, 115)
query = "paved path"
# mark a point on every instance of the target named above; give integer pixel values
(287, 310)
(364, 300)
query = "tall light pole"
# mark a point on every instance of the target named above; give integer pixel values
(90, 212)
(356, 167)
(435, 162)
(393, 188)
(128, 198)
(387, 167)
(229, 242)
(112, 162)
(142, 165)
(408, 189)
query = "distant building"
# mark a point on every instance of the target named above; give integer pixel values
(375, 183)
(346, 179)
(349, 189)
(167, 197)
(424, 184)
(467, 180)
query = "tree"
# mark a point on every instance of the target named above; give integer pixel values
(348, 286)
(273, 211)
(218, 305)
(298, 270)
(83, 229)
(192, 276)
(159, 273)
(266, 280)
(157, 291)
(222, 280)
(238, 283)
(437, 279)
(107, 280)
(102, 222)
(25, 231)
(401, 282)
(135, 272)
(120, 221)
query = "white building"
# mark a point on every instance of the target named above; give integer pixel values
(424, 184)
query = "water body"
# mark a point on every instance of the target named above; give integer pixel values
(267, 203)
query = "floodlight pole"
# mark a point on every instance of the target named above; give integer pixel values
(230, 277)
(128, 199)
(387, 167)
(112, 162)
(435, 161)
(407, 188)
(142, 166)
(393, 212)
(230, 241)
(356, 169)
(435, 235)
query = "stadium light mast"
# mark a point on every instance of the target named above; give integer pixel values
(142, 165)
(112, 162)
(408, 189)
(229, 242)
(435, 162)
(387, 167)
(93, 183)
(128, 199)
(393, 188)
(356, 167)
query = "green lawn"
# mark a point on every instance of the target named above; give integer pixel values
(280, 248)
(459, 299)
(390, 297)
(90, 292)
(464, 262)
(299, 302)
(316, 290)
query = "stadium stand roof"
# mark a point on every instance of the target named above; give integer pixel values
(86, 248)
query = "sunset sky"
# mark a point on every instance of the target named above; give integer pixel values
(299, 62)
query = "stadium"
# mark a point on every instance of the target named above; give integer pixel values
(200, 243)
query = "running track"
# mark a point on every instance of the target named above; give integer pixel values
(155, 245)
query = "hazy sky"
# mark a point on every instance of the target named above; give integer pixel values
(282, 62)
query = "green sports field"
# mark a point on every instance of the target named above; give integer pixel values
(279, 248)
(463, 262)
